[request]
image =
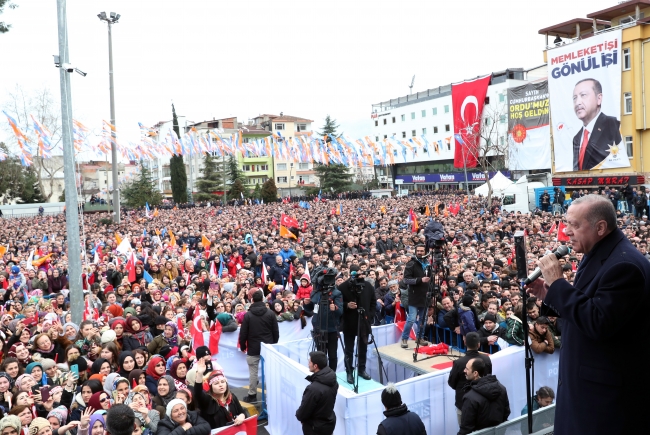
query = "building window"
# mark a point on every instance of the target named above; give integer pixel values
(424, 113)
(384, 121)
(487, 100)
(435, 130)
(403, 117)
(385, 136)
(393, 120)
(502, 98)
(167, 185)
(502, 140)
(246, 168)
(412, 115)
(424, 131)
(376, 123)
(627, 97)
(279, 126)
(435, 111)
(282, 179)
(281, 166)
(447, 128)
(403, 135)
(629, 147)
(376, 138)
(627, 64)
(413, 133)
(302, 127)
(486, 122)
(502, 119)
(303, 166)
(446, 108)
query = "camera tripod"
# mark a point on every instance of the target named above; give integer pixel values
(371, 340)
(320, 333)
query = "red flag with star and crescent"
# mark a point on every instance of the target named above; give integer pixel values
(467, 99)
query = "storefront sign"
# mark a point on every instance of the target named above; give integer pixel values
(452, 177)
(615, 180)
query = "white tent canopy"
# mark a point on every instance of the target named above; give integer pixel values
(499, 185)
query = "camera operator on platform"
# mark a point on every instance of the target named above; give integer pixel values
(326, 326)
(357, 293)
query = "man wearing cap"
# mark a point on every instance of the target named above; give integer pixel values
(316, 411)
(357, 294)
(399, 420)
(490, 332)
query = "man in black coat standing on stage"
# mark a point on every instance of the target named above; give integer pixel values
(357, 294)
(599, 390)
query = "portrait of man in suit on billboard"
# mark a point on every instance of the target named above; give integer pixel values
(599, 132)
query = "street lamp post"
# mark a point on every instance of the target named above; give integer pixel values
(111, 19)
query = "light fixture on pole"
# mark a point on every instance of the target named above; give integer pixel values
(111, 19)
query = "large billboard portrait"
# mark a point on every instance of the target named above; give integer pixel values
(585, 86)
(529, 136)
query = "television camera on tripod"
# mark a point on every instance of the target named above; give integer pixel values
(326, 302)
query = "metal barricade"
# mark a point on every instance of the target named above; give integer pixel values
(543, 421)
(455, 341)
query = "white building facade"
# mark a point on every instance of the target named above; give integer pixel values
(429, 114)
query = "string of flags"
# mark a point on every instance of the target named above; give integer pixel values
(305, 148)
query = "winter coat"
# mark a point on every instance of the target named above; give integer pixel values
(233, 262)
(366, 300)
(215, 414)
(333, 317)
(55, 285)
(467, 320)
(457, 379)
(167, 426)
(484, 334)
(485, 404)
(413, 274)
(316, 410)
(304, 291)
(279, 274)
(259, 326)
(401, 421)
(514, 331)
(537, 343)
(114, 278)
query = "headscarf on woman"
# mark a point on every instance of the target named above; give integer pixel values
(97, 365)
(172, 390)
(151, 367)
(108, 383)
(179, 382)
(12, 353)
(139, 335)
(75, 327)
(94, 418)
(173, 340)
(120, 363)
(94, 402)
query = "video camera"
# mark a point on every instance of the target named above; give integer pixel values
(326, 278)
(434, 234)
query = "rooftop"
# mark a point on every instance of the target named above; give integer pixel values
(569, 29)
(627, 7)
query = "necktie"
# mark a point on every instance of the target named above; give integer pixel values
(583, 147)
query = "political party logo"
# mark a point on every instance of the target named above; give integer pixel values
(447, 177)
(419, 179)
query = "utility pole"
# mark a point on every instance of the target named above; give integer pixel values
(71, 202)
(110, 20)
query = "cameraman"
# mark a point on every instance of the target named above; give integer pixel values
(357, 294)
(415, 275)
(326, 327)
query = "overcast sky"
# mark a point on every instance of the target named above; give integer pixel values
(307, 58)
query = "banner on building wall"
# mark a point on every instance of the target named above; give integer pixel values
(529, 135)
(585, 93)
(467, 100)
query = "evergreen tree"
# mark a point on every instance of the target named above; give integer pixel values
(11, 178)
(210, 181)
(4, 27)
(329, 128)
(30, 191)
(62, 196)
(234, 172)
(236, 189)
(177, 169)
(269, 191)
(334, 178)
(257, 192)
(142, 190)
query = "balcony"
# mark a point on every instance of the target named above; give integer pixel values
(574, 30)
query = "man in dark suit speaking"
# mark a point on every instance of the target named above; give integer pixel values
(599, 132)
(600, 389)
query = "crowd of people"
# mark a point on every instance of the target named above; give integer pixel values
(232, 266)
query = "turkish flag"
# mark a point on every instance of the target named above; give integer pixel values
(130, 267)
(561, 235)
(467, 99)
(248, 427)
(274, 223)
(289, 222)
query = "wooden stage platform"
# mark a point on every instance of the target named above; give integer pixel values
(404, 357)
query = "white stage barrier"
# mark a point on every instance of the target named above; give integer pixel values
(233, 360)
(427, 395)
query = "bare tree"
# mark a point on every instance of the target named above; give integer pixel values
(44, 107)
(491, 151)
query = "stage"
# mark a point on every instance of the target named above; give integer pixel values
(404, 357)
(428, 395)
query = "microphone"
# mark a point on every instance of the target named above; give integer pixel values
(559, 252)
